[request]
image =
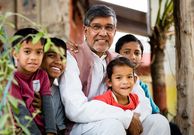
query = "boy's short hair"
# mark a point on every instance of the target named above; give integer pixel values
(59, 43)
(25, 34)
(120, 61)
(126, 39)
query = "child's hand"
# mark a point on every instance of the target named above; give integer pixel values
(135, 127)
(37, 103)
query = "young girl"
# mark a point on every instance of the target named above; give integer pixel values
(121, 80)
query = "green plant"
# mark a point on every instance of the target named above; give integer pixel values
(6, 76)
(7, 102)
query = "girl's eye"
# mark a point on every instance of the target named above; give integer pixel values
(130, 76)
(137, 53)
(118, 78)
(127, 52)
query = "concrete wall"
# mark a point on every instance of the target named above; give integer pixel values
(55, 16)
(8, 6)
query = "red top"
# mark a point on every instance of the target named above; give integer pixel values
(107, 97)
(25, 92)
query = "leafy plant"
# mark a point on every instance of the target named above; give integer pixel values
(7, 102)
(6, 76)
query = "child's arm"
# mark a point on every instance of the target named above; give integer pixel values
(47, 104)
(48, 113)
(23, 111)
(155, 108)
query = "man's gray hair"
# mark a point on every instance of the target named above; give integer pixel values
(99, 11)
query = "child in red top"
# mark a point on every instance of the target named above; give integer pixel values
(30, 79)
(120, 81)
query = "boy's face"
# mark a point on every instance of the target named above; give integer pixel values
(29, 57)
(132, 51)
(54, 62)
(122, 81)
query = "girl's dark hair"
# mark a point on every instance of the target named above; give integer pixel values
(25, 34)
(59, 43)
(126, 39)
(120, 61)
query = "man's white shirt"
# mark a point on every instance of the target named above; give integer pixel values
(78, 108)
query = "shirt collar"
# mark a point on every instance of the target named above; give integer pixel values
(103, 57)
(56, 82)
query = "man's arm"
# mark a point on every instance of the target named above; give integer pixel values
(77, 106)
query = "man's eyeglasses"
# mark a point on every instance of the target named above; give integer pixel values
(97, 28)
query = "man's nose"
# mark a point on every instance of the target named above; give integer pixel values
(103, 31)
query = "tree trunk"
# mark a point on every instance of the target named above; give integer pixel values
(184, 22)
(158, 80)
(158, 42)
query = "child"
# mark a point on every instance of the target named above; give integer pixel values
(121, 80)
(54, 64)
(130, 47)
(30, 78)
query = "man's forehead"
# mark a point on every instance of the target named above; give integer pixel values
(108, 19)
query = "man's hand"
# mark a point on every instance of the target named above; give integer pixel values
(72, 46)
(37, 103)
(135, 127)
